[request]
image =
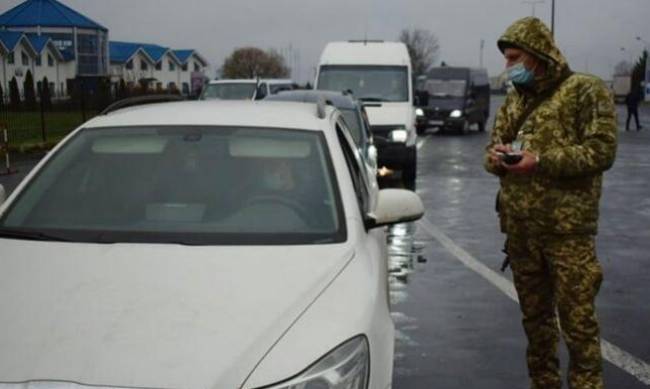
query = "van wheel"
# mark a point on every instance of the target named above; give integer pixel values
(481, 125)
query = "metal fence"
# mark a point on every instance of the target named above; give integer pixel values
(42, 123)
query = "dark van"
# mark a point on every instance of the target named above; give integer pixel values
(453, 98)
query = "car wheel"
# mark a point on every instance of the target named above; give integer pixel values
(481, 125)
(420, 130)
(409, 172)
(464, 128)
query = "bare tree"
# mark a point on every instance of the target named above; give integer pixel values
(623, 68)
(251, 62)
(423, 48)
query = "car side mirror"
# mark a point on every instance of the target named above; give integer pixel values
(395, 206)
(3, 194)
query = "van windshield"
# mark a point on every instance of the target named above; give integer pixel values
(369, 83)
(445, 88)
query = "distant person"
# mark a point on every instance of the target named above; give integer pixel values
(557, 129)
(632, 101)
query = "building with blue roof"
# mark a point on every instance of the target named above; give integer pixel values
(65, 46)
(156, 66)
(27, 52)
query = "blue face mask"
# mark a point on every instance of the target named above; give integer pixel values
(518, 74)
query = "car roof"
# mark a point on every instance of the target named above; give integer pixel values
(338, 99)
(244, 113)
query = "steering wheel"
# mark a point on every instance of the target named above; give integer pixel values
(285, 201)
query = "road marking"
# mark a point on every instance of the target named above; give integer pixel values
(634, 366)
(420, 144)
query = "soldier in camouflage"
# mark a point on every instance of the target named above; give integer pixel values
(563, 124)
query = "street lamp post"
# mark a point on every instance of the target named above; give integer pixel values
(553, 18)
(647, 69)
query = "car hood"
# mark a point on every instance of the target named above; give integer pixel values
(152, 316)
(381, 114)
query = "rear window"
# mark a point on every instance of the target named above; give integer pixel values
(188, 185)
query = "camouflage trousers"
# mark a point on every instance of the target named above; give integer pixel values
(558, 277)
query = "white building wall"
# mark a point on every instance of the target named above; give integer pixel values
(51, 72)
(165, 75)
(132, 76)
(17, 69)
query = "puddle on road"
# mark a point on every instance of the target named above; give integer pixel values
(405, 254)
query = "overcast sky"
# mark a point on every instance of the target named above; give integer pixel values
(593, 34)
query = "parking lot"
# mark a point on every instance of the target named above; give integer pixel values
(457, 323)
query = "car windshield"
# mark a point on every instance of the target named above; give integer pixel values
(276, 88)
(229, 91)
(369, 83)
(187, 185)
(445, 88)
(353, 120)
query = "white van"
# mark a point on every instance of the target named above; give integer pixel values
(379, 74)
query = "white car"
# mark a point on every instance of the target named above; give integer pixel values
(199, 245)
(244, 89)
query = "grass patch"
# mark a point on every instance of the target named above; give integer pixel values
(25, 129)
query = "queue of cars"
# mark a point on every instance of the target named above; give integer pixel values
(218, 243)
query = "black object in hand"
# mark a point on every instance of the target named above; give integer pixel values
(511, 158)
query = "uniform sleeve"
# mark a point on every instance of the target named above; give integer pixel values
(501, 122)
(595, 154)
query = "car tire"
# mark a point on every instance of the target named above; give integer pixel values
(464, 128)
(481, 125)
(409, 172)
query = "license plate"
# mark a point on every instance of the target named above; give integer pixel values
(436, 122)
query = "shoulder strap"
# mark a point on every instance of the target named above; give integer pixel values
(539, 100)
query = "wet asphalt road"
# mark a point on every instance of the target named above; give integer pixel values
(457, 330)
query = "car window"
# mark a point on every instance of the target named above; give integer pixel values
(229, 91)
(353, 122)
(355, 168)
(277, 88)
(194, 185)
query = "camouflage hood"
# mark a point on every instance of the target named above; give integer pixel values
(532, 36)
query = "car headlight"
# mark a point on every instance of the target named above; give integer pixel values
(345, 367)
(399, 135)
(419, 112)
(456, 113)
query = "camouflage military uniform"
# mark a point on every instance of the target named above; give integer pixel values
(550, 216)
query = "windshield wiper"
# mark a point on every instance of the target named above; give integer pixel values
(31, 235)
